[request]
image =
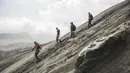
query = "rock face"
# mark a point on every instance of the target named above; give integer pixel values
(91, 56)
(128, 0)
(103, 48)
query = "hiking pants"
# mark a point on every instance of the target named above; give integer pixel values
(89, 23)
(72, 34)
(57, 38)
(36, 53)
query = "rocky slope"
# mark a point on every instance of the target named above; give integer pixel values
(103, 48)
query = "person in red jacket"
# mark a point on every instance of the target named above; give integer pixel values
(38, 47)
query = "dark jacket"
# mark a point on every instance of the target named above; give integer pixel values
(73, 27)
(90, 16)
(58, 32)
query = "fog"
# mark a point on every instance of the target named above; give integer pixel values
(40, 17)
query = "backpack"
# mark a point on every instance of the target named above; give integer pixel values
(40, 46)
(91, 16)
(74, 27)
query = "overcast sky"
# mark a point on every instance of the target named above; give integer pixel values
(40, 17)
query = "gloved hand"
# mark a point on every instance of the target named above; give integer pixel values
(32, 48)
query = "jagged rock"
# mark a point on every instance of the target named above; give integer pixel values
(128, 0)
(91, 56)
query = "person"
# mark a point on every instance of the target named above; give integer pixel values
(58, 35)
(72, 28)
(90, 18)
(38, 47)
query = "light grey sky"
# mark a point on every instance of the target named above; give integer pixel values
(40, 17)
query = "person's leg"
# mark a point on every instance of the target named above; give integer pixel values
(36, 53)
(71, 34)
(74, 33)
(89, 23)
(57, 39)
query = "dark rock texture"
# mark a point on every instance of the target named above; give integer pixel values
(91, 58)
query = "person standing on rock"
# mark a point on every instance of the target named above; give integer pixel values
(38, 47)
(90, 18)
(72, 28)
(58, 35)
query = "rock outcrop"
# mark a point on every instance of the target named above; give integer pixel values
(96, 52)
(128, 0)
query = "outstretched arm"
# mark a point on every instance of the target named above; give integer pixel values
(34, 47)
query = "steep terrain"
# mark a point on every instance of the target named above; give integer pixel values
(103, 48)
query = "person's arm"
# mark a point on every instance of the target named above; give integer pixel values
(34, 47)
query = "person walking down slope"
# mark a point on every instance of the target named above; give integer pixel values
(72, 28)
(38, 47)
(90, 18)
(58, 35)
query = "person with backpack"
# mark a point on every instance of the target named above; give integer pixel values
(72, 28)
(58, 35)
(90, 18)
(38, 47)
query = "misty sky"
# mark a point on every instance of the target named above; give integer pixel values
(40, 17)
